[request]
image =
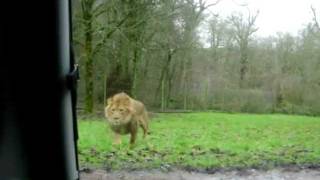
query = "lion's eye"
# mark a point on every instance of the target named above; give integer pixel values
(113, 109)
(121, 110)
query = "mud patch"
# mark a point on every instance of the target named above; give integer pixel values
(249, 174)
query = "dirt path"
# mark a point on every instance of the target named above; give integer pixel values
(276, 174)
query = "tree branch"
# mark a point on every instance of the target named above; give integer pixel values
(100, 9)
(212, 4)
(77, 41)
(315, 18)
(99, 45)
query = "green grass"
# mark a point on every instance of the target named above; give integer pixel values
(205, 141)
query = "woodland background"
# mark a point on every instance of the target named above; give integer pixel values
(152, 50)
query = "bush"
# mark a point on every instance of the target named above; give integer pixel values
(248, 100)
(255, 101)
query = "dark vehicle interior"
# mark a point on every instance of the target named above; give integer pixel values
(38, 130)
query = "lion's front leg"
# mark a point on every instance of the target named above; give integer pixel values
(133, 132)
(133, 138)
(117, 139)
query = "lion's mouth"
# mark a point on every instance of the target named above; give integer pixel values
(115, 123)
(118, 123)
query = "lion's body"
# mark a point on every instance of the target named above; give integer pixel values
(125, 115)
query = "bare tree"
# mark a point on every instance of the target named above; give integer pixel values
(243, 29)
(91, 10)
(192, 16)
(315, 19)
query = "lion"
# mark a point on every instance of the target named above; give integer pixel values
(124, 115)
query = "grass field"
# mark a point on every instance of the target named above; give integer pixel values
(206, 141)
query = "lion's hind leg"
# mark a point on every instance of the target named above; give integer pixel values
(143, 121)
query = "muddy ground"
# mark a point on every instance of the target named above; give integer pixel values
(251, 174)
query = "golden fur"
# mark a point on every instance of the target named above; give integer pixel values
(124, 115)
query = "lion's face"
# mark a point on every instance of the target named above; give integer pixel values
(118, 111)
(118, 115)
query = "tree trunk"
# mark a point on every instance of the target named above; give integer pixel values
(243, 63)
(134, 71)
(185, 97)
(124, 57)
(163, 103)
(184, 80)
(105, 89)
(88, 67)
(206, 89)
(168, 95)
(164, 73)
(169, 81)
(89, 85)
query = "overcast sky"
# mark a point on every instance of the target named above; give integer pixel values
(274, 16)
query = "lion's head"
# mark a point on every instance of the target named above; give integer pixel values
(119, 110)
